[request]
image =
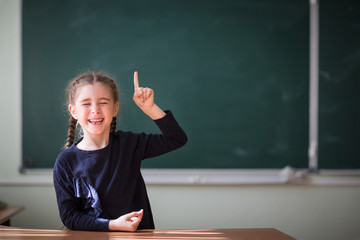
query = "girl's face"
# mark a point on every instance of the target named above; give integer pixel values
(94, 108)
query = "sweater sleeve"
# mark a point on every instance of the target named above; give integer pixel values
(69, 206)
(171, 138)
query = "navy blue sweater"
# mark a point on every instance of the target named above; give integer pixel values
(93, 187)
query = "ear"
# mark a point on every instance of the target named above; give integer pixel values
(116, 109)
(72, 111)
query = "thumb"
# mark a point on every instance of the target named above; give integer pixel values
(138, 96)
(135, 215)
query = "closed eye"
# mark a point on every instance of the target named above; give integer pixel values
(104, 100)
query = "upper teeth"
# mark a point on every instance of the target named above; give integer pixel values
(95, 120)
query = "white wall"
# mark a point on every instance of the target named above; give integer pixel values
(303, 211)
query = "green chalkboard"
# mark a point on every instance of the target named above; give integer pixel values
(339, 84)
(234, 73)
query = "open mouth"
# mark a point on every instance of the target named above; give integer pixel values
(96, 121)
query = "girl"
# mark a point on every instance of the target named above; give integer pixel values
(97, 179)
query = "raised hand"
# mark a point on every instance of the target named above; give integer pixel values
(143, 97)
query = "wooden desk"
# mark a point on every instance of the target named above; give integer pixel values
(191, 234)
(7, 213)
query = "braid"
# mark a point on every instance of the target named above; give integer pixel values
(113, 125)
(71, 132)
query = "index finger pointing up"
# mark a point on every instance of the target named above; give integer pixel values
(136, 80)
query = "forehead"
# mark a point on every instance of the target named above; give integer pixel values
(92, 91)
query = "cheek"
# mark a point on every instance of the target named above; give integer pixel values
(82, 113)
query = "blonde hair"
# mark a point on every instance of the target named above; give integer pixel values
(88, 78)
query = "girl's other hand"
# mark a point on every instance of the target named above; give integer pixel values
(128, 222)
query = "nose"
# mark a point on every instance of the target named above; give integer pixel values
(95, 109)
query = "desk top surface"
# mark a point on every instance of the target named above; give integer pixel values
(190, 234)
(8, 212)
